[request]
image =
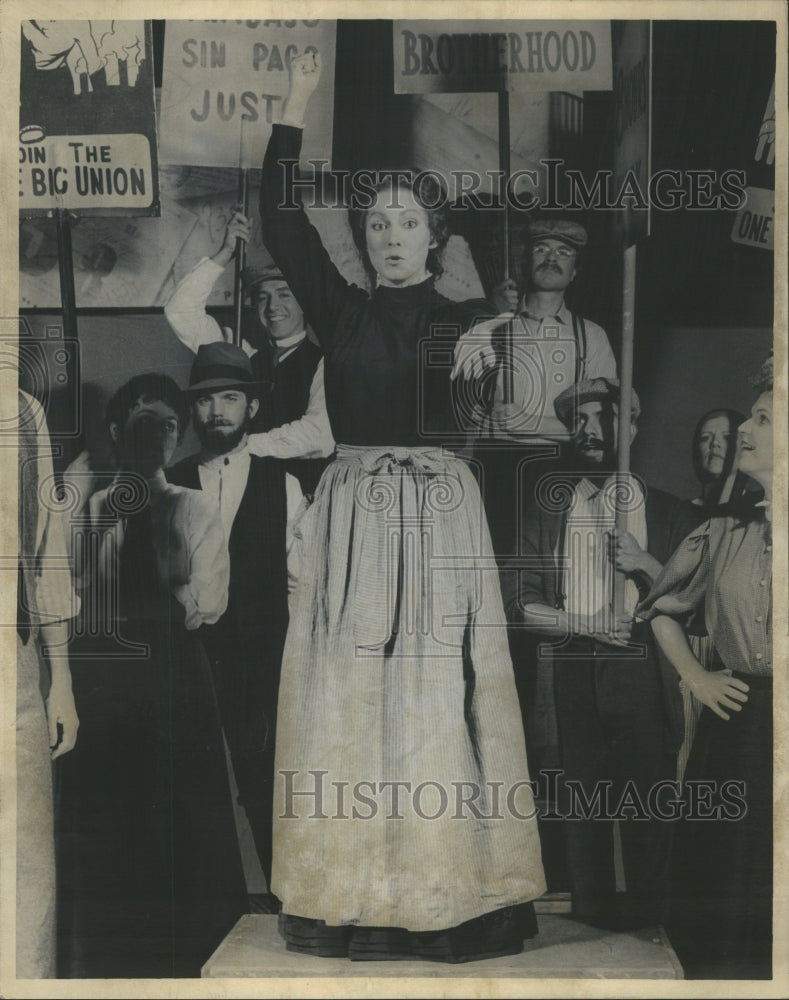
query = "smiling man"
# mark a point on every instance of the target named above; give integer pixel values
(290, 422)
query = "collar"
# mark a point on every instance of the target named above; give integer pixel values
(291, 341)
(562, 315)
(588, 490)
(215, 462)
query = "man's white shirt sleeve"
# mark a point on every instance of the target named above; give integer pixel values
(185, 309)
(308, 437)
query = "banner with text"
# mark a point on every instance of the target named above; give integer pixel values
(472, 56)
(87, 120)
(632, 41)
(223, 84)
(754, 224)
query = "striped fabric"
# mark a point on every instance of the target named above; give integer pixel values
(397, 669)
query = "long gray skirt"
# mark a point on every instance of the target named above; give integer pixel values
(402, 793)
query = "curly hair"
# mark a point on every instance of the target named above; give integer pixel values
(762, 381)
(148, 387)
(429, 193)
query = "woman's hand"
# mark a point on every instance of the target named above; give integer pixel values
(474, 352)
(304, 72)
(718, 691)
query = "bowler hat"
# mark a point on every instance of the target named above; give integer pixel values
(219, 366)
(591, 390)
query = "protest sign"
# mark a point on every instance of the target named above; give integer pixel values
(755, 221)
(501, 55)
(223, 84)
(87, 126)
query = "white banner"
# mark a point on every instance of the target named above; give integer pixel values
(470, 56)
(223, 84)
(755, 222)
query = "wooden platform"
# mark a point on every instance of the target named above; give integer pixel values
(563, 949)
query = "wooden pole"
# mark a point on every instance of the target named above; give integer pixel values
(68, 297)
(508, 387)
(241, 254)
(625, 407)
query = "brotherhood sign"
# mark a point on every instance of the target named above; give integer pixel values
(87, 122)
(479, 56)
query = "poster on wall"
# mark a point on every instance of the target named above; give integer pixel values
(223, 84)
(87, 126)
(311, 669)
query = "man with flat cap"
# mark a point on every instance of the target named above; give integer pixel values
(291, 422)
(618, 716)
(258, 501)
(552, 347)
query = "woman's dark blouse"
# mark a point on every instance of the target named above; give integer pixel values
(388, 355)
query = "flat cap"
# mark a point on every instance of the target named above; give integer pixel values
(255, 275)
(591, 390)
(571, 233)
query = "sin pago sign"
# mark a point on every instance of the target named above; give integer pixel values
(223, 84)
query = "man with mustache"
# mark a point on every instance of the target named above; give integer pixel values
(552, 347)
(257, 501)
(616, 718)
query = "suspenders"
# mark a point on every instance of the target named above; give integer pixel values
(579, 333)
(579, 336)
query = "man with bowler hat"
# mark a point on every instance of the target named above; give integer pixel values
(257, 501)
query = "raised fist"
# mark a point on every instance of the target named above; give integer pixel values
(303, 74)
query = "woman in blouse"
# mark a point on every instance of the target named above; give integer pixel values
(713, 453)
(151, 873)
(720, 920)
(397, 694)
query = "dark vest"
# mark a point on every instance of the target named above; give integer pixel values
(257, 609)
(287, 400)
(291, 380)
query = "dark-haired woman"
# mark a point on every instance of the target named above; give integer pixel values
(713, 453)
(397, 697)
(151, 876)
(721, 907)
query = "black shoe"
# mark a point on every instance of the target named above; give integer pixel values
(264, 902)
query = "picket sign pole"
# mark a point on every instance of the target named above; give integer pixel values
(622, 499)
(68, 297)
(240, 258)
(508, 387)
